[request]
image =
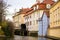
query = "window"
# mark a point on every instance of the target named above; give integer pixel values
(27, 18)
(30, 22)
(37, 6)
(36, 21)
(30, 16)
(41, 1)
(27, 23)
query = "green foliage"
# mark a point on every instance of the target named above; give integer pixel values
(0, 23)
(6, 31)
(34, 34)
(4, 24)
(1, 32)
(7, 28)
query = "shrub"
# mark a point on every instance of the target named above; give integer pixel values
(7, 28)
(1, 32)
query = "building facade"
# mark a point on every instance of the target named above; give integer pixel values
(16, 21)
(43, 24)
(18, 17)
(37, 17)
(32, 18)
(54, 29)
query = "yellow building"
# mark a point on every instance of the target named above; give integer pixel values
(18, 17)
(16, 20)
(54, 29)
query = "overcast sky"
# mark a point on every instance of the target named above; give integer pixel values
(18, 4)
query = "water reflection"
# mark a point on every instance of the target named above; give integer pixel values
(24, 38)
(42, 38)
(5, 38)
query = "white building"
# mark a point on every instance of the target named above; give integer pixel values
(40, 11)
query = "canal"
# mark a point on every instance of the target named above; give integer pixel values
(16, 37)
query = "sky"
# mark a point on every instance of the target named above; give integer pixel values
(15, 5)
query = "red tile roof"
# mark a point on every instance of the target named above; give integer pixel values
(47, 13)
(48, 2)
(45, 2)
(40, 5)
(29, 13)
(24, 10)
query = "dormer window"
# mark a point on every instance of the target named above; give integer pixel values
(55, 0)
(34, 8)
(37, 6)
(41, 1)
(48, 6)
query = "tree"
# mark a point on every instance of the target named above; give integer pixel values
(3, 7)
(8, 28)
(11, 28)
(1, 11)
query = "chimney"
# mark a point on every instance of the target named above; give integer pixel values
(40, 1)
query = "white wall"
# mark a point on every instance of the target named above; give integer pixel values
(43, 25)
